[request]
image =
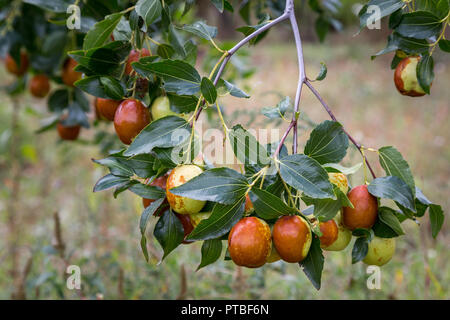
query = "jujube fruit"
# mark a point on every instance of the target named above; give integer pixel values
(68, 132)
(248, 205)
(107, 107)
(134, 56)
(12, 66)
(39, 85)
(380, 251)
(187, 225)
(196, 218)
(329, 231)
(178, 176)
(292, 238)
(365, 211)
(273, 256)
(340, 180)
(130, 118)
(405, 77)
(249, 242)
(161, 108)
(343, 239)
(69, 75)
(158, 182)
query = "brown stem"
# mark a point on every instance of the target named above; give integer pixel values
(332, 116)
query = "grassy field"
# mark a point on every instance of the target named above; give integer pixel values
(101, 235)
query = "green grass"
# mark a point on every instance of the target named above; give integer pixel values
(101, 233)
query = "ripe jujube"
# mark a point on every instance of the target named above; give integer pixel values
(68, 132)
(292, 238)
(12, 66)
(69, 75)
(365, 211)
(185, 220)
(107, 107)
(134, 56)
(249, 242)
(39, 85)
(177, 177)
(130, 118)
(158, 182)
(329, 231)
(343, 238)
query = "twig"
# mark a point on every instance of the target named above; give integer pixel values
(183, 284)
(332, 116)
(244, 41)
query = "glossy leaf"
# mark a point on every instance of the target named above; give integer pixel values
(392, 187)
(169, 232)
(394, 164)
(269, 206)
(312, 265)
(211, 251)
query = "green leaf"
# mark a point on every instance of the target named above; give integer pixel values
(392, 187)
(165, 51)
(222, 219)
(335, 167)
(177, 41)
(360, 249)
(410, 45)
(179, 77)
(312, 265)
(327, 143)
(59, 6)
(394, 164)
(116, 166)
(148, 192)
(232, 89)
(323, 72)
(444, 45)
(390, 219)
(222, 185)
(419, 25)
(246, 148)
(386, 8)
(94, 85)
(211, 250)
(102, 31)
(202, 30)
(165, 132)
(305, 174)
(182, 104)
(322, 26)
(149, 10)
(326, 209)
(110, 181)
(436, 219)
(219, 4)
(169, 232)
(425, 73)
(147, 214)
(58, 100)
(208, 90)
(269, 206)
(279, 110)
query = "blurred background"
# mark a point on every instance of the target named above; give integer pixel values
(50, 218)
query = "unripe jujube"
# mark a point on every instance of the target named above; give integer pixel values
(161, 108)
(405, 77)
(380, 251)
(249, 242)
(340, 180)
(292, 238)
(177, 177)
(365, 211)
(343, 238)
